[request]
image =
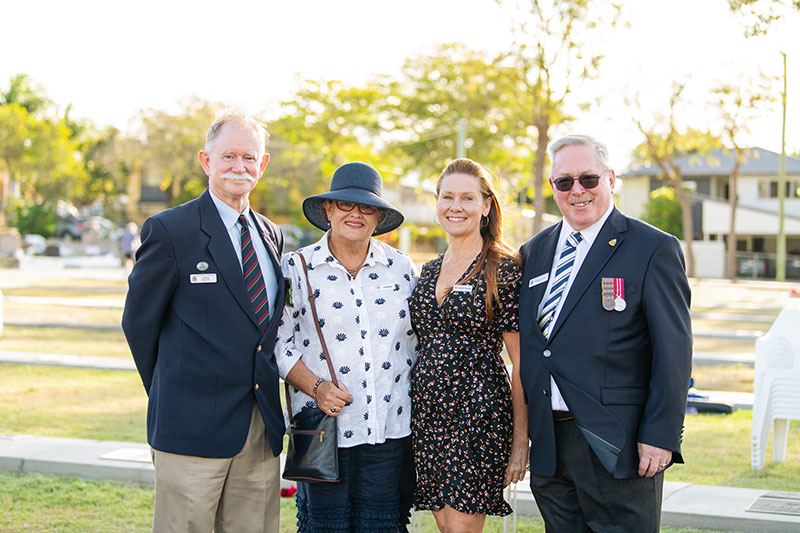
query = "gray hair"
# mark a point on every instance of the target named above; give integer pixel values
(239, 118)
(579, 140)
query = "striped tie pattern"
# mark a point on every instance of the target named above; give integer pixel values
(253, 279)
(563, 270)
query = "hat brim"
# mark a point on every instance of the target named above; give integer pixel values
(312, 208)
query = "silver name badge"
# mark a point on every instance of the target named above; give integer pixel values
(538, 280)
(462, 288)
(203, 278)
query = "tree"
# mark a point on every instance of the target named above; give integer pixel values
(23, 92)
(552, 51)
(325, 124)
(37, 152)
(664, 212)
(456, 95)
(664, 144)
(761, 14)
(169, 146)
(738, 104)
(40, 155)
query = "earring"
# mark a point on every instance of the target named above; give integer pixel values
(436, 219)
(484, 221)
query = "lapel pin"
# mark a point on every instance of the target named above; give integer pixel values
(202, 266)
(612, 242)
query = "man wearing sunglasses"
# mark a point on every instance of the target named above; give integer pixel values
(605, 334)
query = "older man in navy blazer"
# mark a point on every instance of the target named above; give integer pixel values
(204, 301)
(606, 353)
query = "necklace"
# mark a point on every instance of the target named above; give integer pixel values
(352, 271)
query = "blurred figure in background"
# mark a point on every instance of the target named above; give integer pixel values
(129, 243)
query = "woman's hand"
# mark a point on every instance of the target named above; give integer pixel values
(332, 399)
(518, 462)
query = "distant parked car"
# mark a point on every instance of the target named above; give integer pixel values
(71, 227)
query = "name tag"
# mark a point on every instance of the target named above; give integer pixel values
(389, 287)
(538, 280)
(203, 278)
(462, 288)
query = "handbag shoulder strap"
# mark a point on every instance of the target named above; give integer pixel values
(311, 301)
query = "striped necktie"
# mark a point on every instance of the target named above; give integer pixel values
(563, 270)
(253, 279)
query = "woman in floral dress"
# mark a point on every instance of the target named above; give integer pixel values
(469, 422)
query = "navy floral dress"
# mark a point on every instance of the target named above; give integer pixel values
(461, 415)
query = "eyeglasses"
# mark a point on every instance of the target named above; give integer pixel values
(587, 181)
(349, 206)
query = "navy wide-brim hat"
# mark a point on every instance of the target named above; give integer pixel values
(358, 183)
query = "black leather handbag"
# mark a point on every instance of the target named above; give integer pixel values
(313, 435)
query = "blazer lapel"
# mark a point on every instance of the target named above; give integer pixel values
(221, 249)
(598, 256)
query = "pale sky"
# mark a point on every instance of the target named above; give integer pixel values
(110, 59)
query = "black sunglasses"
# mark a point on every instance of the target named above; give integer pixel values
(587, 181)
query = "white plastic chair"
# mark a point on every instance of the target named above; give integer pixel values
(776, 386)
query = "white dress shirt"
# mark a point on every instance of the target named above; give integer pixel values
(230, 219)
(589, 235)
(367, 329)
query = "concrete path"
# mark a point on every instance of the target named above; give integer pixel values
(723, 358)
(685, 505)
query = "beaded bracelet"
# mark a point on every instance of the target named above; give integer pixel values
(316, 386)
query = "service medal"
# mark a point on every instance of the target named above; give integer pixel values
(608, 293)
(619, 295)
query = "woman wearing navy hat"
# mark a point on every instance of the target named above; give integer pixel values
(362, 288)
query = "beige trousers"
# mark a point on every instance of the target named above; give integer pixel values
(234, 495)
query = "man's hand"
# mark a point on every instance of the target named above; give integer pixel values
(652, 460)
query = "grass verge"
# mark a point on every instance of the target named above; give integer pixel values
(731, 378)
(35, 503)
(65, 341)
(68, 314)
(716, 449)
(73, 403)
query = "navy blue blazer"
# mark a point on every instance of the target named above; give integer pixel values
(197, 346)
(624, 375)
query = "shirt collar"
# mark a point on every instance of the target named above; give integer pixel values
(589, 234)
(228, 214)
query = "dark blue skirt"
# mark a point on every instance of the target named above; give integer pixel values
(373, 495)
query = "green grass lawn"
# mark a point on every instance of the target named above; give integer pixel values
(34, 503)
(65, 340)
(67, 314)
(732, 378)
(111, 405)
(74, 403)
(716, 449)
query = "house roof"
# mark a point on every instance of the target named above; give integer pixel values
(720, 161)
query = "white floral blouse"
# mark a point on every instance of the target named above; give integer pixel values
(367, 328)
